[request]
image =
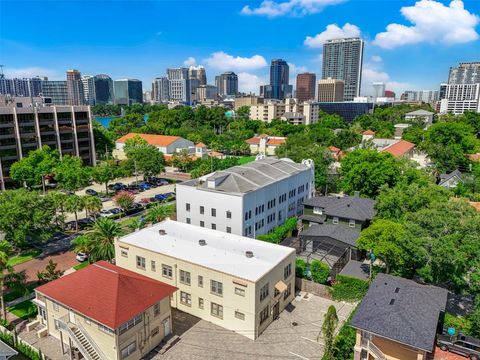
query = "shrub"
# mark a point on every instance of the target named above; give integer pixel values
(320, 271)
(348, 288)
(300, 266)
(460, 323)
(280, 232)
(345, 341)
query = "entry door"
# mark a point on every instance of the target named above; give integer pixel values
(276, 310)
(71, 317)
(166, 327)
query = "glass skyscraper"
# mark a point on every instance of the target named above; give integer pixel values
(128, 91)
(279, 79)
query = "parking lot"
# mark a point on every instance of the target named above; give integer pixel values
(292, 336)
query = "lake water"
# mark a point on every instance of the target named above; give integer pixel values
(106, 120)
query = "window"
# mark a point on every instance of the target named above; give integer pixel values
(185, 298)
(216, 310)
(105, 329)
(335, 220)
(216, 287)
(200, 281)
(229, 214)
(351, 223)
(141, 262)
(214, 226)
(124, 253)
(185, 277)
(214, 212)
(229, 230)
(202, 223)
(287, 292)
(128, 350)
(156, 309)
(153, 265)
(155, 331)
(189, 221)
(130, 324)
(240, 292)
(166, 271)
(264, 315)
(264, 292)
(202, 210)
(200, 303)
(187, 206)
(239, 315)
(287, 271)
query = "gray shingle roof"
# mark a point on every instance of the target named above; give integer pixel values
(338, 232)
(249, 177)
(408, 315)
(349, 207)
(446, 177)
(6, 350)
(356, 269)
(419, 113)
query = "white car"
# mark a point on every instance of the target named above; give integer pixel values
(81, 257)
(105, 213)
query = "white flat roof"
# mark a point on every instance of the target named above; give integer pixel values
(223, 252)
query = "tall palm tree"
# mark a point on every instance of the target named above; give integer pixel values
(102, 236)
(92, 204)
(5, 251)
(158, 213)
(82, 244)
(74, 204)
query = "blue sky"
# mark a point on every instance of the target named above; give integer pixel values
(410, 44)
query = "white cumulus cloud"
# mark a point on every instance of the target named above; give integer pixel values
(371, 74)
(223, 61)
(332, 31)
(250, 82)
(432, 22)
(376, 58)
(271, 8)
(33, 71)
(190, 61)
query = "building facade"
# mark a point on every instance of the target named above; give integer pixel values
(103, 89)
(227, 83)
(88, 83)
(247, 200)
(75, 95)
(198, 73)
(55, 90)
(65, 128)
(265, 144)
(128, 91)
(204, 92)
(237, 283)
(343, 60)
(330, 90)
(460, 98)
(426, 96)
(161, 90)
(179, 85)
(279, 80)
(247, 100)
(465, 73)
(29, 87)
(305, 87)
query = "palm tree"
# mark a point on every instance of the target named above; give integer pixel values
(5, 251)
(92, 204)
(58, 199)
(74, 204)
(82, 244)
(158, 213)
(136, 223)
(102, 237)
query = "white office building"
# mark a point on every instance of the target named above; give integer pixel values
(179, 85)
(88, 83)
(460, 98)
(249, 199)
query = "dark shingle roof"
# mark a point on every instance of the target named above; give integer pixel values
(356, 269)
(446, 177)
(338, 232)
(350, 207)
(408, 315)
(320, 219)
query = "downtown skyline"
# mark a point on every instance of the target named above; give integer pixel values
(242, 37)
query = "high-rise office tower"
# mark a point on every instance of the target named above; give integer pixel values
(227, 83)
(161, 90)
(305, 87)
(31, 87)
(179, 85)
(103, 89)
(427, 96)
(74, 88)
(279, 79)
(465, 73)
(330, 90)
(342, 60)
(56, 90)
(378, 89)
(88, 83)
(198, 72)
(128, 91)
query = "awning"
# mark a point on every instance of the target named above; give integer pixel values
(281, 286)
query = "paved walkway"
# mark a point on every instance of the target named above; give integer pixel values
(445, 355)
(64, 260)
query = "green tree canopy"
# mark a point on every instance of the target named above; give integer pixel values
(71, 174)
(144, 157)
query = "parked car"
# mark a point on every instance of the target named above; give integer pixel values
(81, 257)
(84, 223)
(91, 192)
(144, 186)
(105, 213)
(136, 207)
(460, 344)
(161, 182)
(115, 211)
(160, 197)
(117, 186)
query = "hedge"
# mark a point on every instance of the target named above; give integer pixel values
(280, 232)
(319, 270)
(345, 341)
(347, 288)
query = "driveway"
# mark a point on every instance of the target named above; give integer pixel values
(445, 355)
(64, 260)
(292, 336)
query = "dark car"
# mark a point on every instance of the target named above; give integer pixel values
(136, 207)
(91, 192)
(460, 344)
(115, 211)
(161, 182)
(117, 186)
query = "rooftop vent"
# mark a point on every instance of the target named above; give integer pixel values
(202, 242)
(162, 232)
(249, 254)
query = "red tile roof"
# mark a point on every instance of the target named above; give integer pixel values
(270, 140)
(333, 149)
(276, 141)
(400, 148)
(106, 293)
(369, 132)
(254, 140)
(475, 204)
(201, 145)
(157, 140)
(474, 157)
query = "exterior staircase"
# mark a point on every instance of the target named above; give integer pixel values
(87, 347)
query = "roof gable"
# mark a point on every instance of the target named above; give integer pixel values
(156, 140)
(399, 148)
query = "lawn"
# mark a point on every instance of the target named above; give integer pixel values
(15, 294)
(245, 160)
(81, 265)
(24, 310)
(24, 257)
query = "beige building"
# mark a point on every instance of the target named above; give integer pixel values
(105, 312)
(265, 144)
(247, 100)
(238, 283)
(330, 90)
(288, 110)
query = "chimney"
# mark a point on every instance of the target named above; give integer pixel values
(162, 232)
(249, 254)
(202, 242)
